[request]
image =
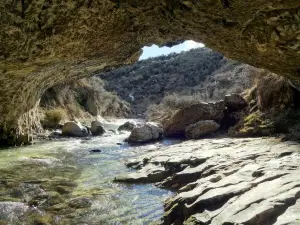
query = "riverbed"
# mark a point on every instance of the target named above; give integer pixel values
(71, 182)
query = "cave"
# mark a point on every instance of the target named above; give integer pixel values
(44, 43)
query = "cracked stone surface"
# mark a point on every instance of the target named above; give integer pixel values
(44, 42)
(226, 181)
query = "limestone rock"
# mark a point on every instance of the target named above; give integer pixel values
(128, 126)
(226, 181)
(177, 124)
(97, 128)
(235, 102)
(146, 132)
(74, 129)
(201, 128)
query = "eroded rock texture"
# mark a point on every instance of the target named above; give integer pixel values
(45, 42)
(226, 181)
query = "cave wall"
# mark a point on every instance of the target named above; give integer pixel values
(45, 42)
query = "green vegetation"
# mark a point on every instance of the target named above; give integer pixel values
(201, 73)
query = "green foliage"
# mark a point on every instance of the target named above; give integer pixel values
(201, 72)
(149, 80)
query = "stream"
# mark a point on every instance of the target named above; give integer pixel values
(64, 182)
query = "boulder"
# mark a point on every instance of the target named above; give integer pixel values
(201, 128)
(145, 133)
(235, 102)
(176, 124)
(74, 129)
(128, 126)
(97, 128)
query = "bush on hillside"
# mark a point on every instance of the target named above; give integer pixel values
(199, 71)
(148, 81)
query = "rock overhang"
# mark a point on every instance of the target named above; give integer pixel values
(47, 42)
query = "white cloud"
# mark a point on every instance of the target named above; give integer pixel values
(154, 50)
(192, 44)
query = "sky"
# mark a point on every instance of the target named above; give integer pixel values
(154, 50)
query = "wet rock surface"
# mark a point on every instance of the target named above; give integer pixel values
(226, 181)
(73, 129)
(97, 128)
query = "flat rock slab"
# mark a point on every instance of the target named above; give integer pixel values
(226, 181)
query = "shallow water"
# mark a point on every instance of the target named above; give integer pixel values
(46, 177)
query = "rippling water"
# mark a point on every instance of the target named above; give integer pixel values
(38, 182)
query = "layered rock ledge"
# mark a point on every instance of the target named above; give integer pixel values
(225, 181)
(44, 43)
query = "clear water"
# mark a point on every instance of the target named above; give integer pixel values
(63, 170)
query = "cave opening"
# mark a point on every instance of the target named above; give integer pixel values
(170, 47)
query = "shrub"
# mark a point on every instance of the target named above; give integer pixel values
(85, 99)
(53, 117)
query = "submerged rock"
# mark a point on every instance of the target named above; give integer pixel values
(128, 126)
(97, 128)
(177, 124)
(74, 129)
(80, 202)
(12, 211)
(95, 151)
(201, 128)
(145, 133)
(226, 181)
(56, 133)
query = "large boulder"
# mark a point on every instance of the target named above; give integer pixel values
(177, 123)
(235, 102)
(145, 133)
(97, 128)
(201, 128)
(128, 126)
(74, 129)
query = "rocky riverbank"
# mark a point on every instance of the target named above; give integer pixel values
(225, 181)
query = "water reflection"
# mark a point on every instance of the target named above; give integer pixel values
(46, 178)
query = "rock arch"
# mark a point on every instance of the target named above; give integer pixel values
(45, 42)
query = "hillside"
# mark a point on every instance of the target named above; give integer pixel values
(83, 99)
(200, 72)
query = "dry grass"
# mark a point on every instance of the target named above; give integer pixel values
(85, 99)
(53, 117)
